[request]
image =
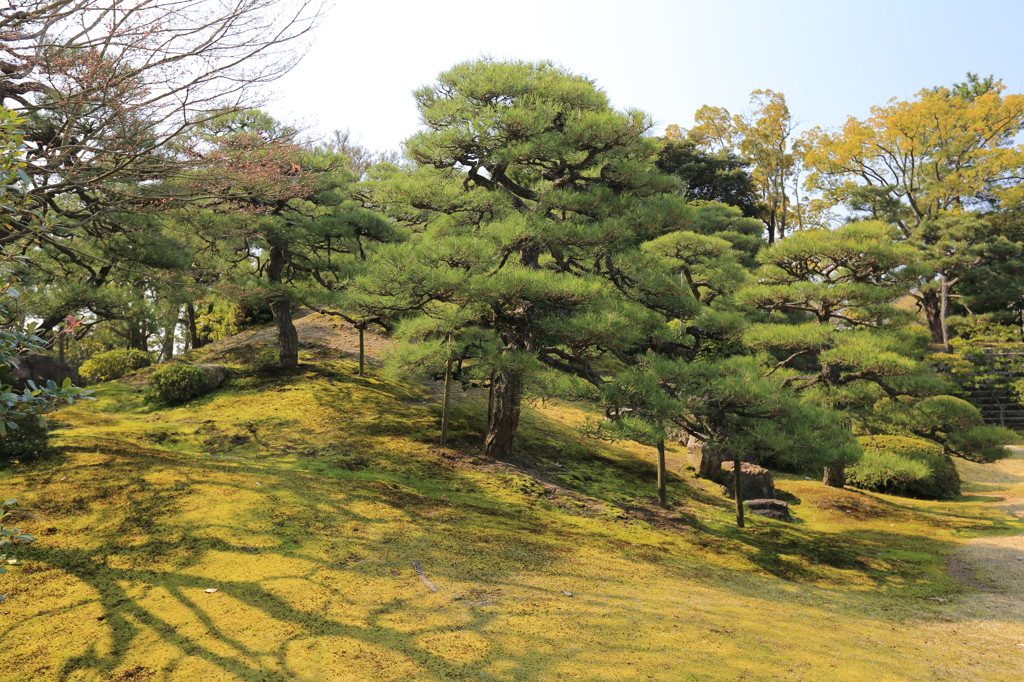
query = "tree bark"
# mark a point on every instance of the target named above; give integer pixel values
(362, 351)
(490, 405)
(447, 400)
(932, 308)
(167, 351)
(737, 483)
(281, 307)
(195, 340)
(508, 391)
(287, 336)
(944, 312)
(835, 475)
(137, 338)
(662, 475)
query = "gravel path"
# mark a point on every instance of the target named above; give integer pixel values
(990, 618)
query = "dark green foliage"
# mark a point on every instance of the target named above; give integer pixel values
(177, 383)
(251, 311)
(720, 177)
(114, 364)
(29, 442)
(954, 424)
(908, 467)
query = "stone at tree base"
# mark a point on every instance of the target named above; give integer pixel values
(773, 509)
(215, 375)
(756, 481)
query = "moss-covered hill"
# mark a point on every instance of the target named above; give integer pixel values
(272, 530)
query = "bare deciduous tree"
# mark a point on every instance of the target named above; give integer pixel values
(108, 86)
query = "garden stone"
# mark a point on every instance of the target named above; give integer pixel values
(756, 482)
(773, 509)
(215, 375)
(707, 461)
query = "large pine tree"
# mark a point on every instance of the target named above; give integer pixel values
(529, 200)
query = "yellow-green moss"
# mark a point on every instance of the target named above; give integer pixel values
(303, 498)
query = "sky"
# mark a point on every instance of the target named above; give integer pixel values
(831, 59)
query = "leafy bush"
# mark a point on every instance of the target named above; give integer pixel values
(114, 364)
(27, 443)
(177, 383)
(905, 466)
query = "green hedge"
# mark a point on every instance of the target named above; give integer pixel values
(114, 364)
(907, 467)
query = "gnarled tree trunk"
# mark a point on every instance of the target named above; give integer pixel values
(931, 305)
(835, 475)
(281, 307)
(287, 336)
(508, 391)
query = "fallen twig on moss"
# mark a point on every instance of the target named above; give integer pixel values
(423, 576)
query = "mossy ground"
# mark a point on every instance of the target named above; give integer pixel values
(303, 498)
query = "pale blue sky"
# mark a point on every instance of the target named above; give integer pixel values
(831, 59)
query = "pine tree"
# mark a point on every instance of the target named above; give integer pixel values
(529, 199)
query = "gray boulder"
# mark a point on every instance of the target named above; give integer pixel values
(215, 376)
(706, 461)
(756, 482)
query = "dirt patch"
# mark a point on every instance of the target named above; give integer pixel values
(323, 335)
(995, 565)
(967, 575)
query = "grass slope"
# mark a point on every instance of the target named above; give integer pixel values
(304, 498)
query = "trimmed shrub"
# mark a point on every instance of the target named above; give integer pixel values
(114, 364)
(29, 442)
(177, 383)
(907, 467)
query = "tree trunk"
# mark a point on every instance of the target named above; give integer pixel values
(287, 336)
(167, 351)
(662, 475)
(835, 475)
(508, 390)
(932, 308)
(362, 351)
(490, 405)
(737, 483)
(281, 307)
(529, 256)
(944, 312)
(137, 338)
(447, 400)
(195, 341)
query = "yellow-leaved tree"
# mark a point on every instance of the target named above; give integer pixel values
(763, 138)
(930, 166)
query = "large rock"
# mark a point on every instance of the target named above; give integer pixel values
(215, 375)
(705, 460)
(756, 482)
(773, 509)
